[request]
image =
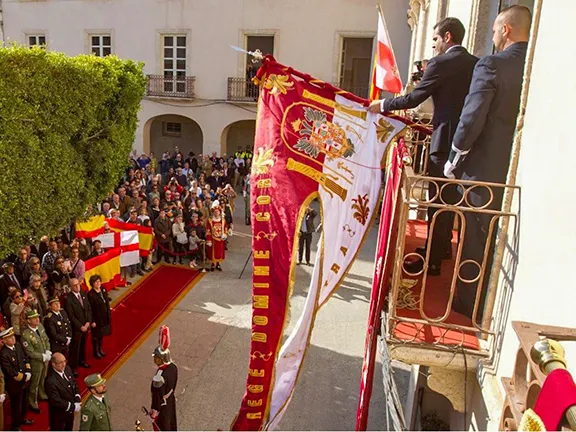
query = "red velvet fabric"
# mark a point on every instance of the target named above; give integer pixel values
(557, 395)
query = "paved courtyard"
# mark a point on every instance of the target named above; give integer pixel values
(210, 344)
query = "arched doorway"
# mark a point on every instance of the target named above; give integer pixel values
(165, 132)
(238, 134)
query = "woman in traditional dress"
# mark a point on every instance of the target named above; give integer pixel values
(216, 235)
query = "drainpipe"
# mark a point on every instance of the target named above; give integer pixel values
(1, 23)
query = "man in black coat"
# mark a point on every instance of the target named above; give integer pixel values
(80, 315)
(447, 80)
(17, 373)
(483, 142)
(58, 327)
(63, 394)
(163, 389)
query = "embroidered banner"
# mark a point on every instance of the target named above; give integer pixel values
(313, 141)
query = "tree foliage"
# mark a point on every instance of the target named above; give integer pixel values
(67, 125)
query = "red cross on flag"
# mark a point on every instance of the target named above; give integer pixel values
(385, 76)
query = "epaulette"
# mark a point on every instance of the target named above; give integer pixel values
(49, 315)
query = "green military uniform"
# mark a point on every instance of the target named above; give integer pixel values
(95, 414)
(36, 344)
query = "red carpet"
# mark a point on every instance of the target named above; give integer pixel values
(135, 316)
(435, 302)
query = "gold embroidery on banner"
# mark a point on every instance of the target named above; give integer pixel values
(327, 184)
(343, 167)
(383, 130)
(255, 388)
(257, 373)
(262, 162)
(333, 104)
(262, 254)
(344, 250)
(261, 270)
(261, 302)
(259, 337)
(258, 354)
(349, 230)
(335, 268)
(254, 403)
(263, 199)
(264, 183)
(278, 84)
(261, 285)
(268, 236)
(254, 416)
(260, 320)
(263, 217)
(361, 209)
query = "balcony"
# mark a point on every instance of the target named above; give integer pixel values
(242, 90)
(178, 87)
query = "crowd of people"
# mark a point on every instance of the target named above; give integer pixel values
(46, 314)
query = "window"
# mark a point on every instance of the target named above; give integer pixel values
(172, 129)
(263, 43)
(101, 45)
(174, 55)
(36, 40)
(355, 66)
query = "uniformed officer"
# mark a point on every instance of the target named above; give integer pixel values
(17, 374)
(37, 346)
(58, 327)
(63, 394)
(95, 413)
(163, 386)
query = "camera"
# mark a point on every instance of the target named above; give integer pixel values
(417, 76)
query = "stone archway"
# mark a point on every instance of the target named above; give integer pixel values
(165, 132)
(237, 134)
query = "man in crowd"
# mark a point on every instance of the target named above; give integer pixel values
(80, 315)
(305, 239)
(7, 280)
(483, 141)
(17, 374)
(447, 80)
(58, 327)
(63, 394)
(163, 232)
(50, 257)
(95, 413)
(37, 347)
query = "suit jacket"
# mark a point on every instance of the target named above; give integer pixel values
(79, 314)
(447, 80)
(5, 284)
(58, 329)
(100, 312)
(483, 140)
(14, 364)
(62, 393)
(163, 227)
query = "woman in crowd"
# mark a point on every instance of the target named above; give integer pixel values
(181, 238)
(100, 304)
(17, 306)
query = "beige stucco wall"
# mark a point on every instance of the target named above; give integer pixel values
(307, 36)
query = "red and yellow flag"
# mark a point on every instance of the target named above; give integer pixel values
(93, 227)
(107, 266)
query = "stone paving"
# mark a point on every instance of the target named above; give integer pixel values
(210, 331)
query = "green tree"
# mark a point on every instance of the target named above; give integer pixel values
(67, 125)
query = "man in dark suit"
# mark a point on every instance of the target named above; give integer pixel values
(447, 80)
(80, 315)
(8, 280)
(63, 394)
(17, 373)
(483, 142)
(58, 327)
(305, 239)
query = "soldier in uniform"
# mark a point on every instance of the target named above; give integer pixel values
(58, 327)
(163, 411)
(95, 414)
(63, 394)
(37, 346)
(17, 374)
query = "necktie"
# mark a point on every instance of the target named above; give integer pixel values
(14, 280)
(80, 300)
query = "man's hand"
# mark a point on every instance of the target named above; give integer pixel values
(77, 407)
(2, 397)
(154, 414)
(93, 324)
(448, 168)
(28, 375)
(68, 340)
(375, 106)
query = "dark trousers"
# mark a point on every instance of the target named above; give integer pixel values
(441, 241)
(161, 253)
(97, 345)
(179, 249)
(304, 240)
(167, 416)
(18, 404)
(474, 247)
(78, 349)
(61, 421)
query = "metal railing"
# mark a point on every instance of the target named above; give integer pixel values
(477, 206)
(181, 87)
(242, 90)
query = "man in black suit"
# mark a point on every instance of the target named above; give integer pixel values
(17, 373)
(483, 141)
(305, 238)
(58, 327)
(80, 315)
(63, 394)
(447, 80)
(8, 280)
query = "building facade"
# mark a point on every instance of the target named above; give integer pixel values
(200, 97)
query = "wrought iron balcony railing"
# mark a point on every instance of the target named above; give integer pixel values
(242, 90)
(181, 87)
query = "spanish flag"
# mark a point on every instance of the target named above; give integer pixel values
(107, 266)
(91, 228)
(145, 234)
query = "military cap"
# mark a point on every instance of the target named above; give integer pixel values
(53, 299)
(94, 380)
(7, 333)
(32, 313)
(7, 264)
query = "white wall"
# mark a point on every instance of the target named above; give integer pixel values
(307, 38)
